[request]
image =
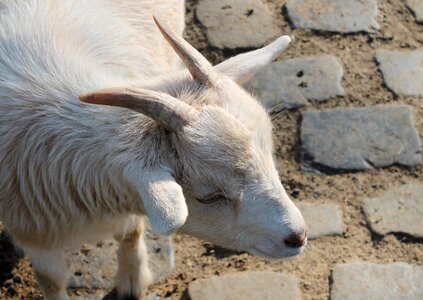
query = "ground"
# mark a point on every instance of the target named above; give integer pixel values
(364, 86)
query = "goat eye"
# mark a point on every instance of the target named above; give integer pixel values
(211, 199)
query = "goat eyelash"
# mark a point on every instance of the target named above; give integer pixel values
(213, 199)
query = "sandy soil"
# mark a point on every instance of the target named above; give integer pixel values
(364, 86)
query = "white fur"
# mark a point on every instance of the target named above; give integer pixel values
(164, 201)
(71, 172)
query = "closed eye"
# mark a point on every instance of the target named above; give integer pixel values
(212, 198)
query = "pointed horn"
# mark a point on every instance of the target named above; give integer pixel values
(168, 111)
(199, 67)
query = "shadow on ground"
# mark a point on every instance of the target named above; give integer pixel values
(9, 257)
(218, 252)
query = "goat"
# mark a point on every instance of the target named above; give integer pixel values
(187, 148)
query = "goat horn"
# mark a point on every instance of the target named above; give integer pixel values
(171, 113)
(199, 67)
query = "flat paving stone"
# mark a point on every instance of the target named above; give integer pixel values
(246, 285)
(322, 219)
(402, 71)
(397, 281)
(398, 210)
(344, 16)
(291, 83)
(417, 7)
(354, 139)
(94, 267)
(237, 23)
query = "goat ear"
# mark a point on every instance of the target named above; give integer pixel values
(243, 66)
(170, 112)
(163, 201)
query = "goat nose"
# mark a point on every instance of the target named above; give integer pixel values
(296, 240)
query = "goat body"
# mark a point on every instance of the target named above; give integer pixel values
(63, 163)
(73, 172)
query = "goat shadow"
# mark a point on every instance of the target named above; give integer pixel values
(219, 252)
(113, 296)
(9, 257)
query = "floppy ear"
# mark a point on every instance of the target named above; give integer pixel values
(163, 201)
(243, 66)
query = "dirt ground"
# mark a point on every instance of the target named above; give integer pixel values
(364, 86)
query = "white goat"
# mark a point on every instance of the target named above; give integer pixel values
(193, 152)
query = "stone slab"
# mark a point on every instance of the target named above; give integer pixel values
(344, 16)
(397, 281)
(416, 7)
(398, 210)
(355, 139)
(402, 71)
(246, 285)
(94, 267)
(322, 219)
(237, 23)
(291, 83)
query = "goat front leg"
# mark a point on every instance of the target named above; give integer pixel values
(50, 272)
(133, 276)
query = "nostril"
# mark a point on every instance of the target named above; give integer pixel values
(296, 240)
